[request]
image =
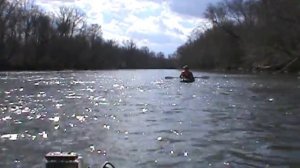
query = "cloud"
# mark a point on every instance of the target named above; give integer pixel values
(161, 25)
(193, 8)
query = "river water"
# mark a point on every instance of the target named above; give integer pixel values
(137, 118)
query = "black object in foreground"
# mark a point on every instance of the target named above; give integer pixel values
(63, 160)
(108, 165)
(201, 77)
(67, 160)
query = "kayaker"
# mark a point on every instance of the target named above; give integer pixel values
(186, 74)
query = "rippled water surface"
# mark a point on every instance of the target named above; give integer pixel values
(137, 118)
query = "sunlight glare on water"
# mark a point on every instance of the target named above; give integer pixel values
(137, 118)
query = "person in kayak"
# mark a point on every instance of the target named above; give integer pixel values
(186, 74)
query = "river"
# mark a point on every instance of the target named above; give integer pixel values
(137, 118)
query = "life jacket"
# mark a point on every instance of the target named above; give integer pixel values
(187, 75)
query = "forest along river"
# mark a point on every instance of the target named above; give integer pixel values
(136, 118)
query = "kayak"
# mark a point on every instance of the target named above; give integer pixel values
(68, 159)
(185, 80)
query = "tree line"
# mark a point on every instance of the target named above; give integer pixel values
(31, 39)
(247, 35)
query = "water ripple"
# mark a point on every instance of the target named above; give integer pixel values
(136, 118)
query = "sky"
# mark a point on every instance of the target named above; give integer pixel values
(161, 25)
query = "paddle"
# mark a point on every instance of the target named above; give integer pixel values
(172, 77)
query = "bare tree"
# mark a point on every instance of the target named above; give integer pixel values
(69, 20)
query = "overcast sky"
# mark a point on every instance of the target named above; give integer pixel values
(161, 25)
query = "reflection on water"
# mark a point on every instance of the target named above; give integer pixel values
(136, 118)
